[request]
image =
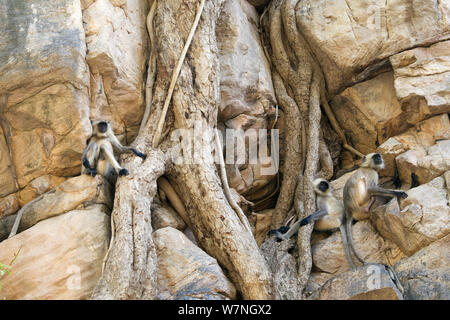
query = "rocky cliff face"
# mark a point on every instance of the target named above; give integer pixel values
(386, 67)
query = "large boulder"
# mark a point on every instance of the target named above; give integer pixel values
(185, 272)
(425, 163)
(74, 193)
(369, 282)
(117, 43)
(419, 220)
(8, 183)
(8, 205)
(58, 258)
(164, 216)
(37, 187)
(420, 137)
(46, 80)
(422, 77)
(329, 255)
(426, 274)
(246, 91)
(352, 38)
(370, 112)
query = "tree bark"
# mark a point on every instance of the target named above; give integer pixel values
(299, 85)
(130, 269)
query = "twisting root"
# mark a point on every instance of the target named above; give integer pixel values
(326, 162)
(175, 74)
(21, 211)
(294, 156)
(336, 126)
(151, 70)
(312, 160)
(297, 72)
(175, 200)
(111, 241)
(226, 188)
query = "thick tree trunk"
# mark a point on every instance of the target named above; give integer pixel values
(131, 263)
(299, 86)
(130, 269)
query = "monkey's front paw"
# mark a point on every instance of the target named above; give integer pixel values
(139, 154)
(402, 194)
(142, 155)
(279, 233)
(123, 172)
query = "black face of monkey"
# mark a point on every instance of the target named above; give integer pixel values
(377, 159)
(323, 186)
(102, 126)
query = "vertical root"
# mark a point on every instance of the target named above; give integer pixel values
(309, 205)
(293, 161)
(151, 70)
(226, 188)
(326, 162)
(175, 200)
(334, 123)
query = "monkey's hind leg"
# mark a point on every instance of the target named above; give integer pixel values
(89, 159)
(112, 160)
(367, 209)
(377, 191)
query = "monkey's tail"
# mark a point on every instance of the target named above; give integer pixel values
(348, 223)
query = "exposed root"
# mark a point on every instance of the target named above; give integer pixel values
(175, 200)
(226, 188)
(22, 210)
(299, 85)
(151, 70)
(336, 126)
(326, 162)
(111, 241)
(312, 160)
(293, 161)
(129, 271)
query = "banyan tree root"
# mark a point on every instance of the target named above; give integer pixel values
(293, 155)
(151, 70)
(226, 188)
(130, 269)
(326, 162)
(175, 200)
(299, 86)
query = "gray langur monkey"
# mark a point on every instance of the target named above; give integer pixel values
(98, 157)
(330, 216)
(360, 191)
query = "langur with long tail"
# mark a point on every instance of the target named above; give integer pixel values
(330, 216)
(360, 191)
